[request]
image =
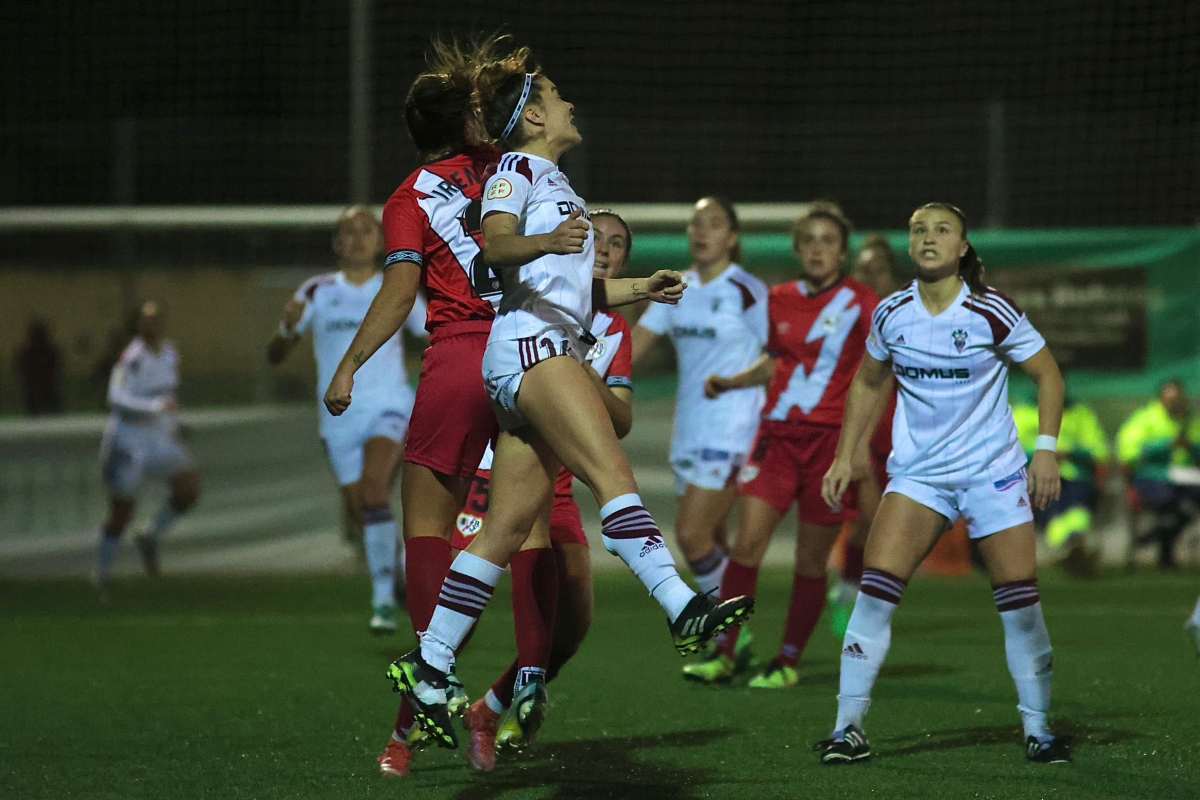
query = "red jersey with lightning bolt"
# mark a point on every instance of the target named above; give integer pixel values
(432, 221)
(818, 340)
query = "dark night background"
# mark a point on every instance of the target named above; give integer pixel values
(877, 105)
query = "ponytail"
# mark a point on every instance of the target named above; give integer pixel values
(970, 269)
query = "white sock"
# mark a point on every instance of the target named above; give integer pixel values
(494, 703)
(379, 541)
(709, 570)
(868, 637)
(163, 521)
(630, 533)
(107, 554)
(1027, 649)
(465, 593)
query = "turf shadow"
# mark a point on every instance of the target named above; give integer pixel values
(1081, 734)
(591, 769)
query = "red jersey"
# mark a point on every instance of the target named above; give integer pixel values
(818, 342)
(433, 221)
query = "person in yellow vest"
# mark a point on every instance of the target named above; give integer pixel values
(1082, 458)
(1159, 450)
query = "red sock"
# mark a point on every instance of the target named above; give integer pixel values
(737, 580)
(535, 604)
(404, 720)
(808, 599)
(426, 562)
(852, 562)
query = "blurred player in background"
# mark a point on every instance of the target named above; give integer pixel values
(818, 329)
(718, 328)
(551, 414)
(1082, 461)
(432, 237)
(611, 361)
(365, 444)
(949, 339)
(876, 268)
(1157, 446)
(142, 440)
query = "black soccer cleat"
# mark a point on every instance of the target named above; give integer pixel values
(428, 688)
(1055, 751)
(702, 619)
(852, 746)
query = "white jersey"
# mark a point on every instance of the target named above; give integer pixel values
(556, 289)
(953, 425)
(142, 386)
(334, 309)
(718, 328)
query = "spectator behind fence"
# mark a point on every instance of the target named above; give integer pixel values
(39, 365)
(1156, 445)
(1082, 458)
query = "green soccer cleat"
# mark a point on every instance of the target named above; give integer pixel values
(457, 700)
(428, 689)
(383, 620)
(775, 675)
(702, 619)
(520, 723)
(716, 670)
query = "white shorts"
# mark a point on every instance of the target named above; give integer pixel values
(131, 453)
(344, 438)
(988, 506)
(707, 468)
(518, 342)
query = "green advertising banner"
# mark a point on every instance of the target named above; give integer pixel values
(1120, 307)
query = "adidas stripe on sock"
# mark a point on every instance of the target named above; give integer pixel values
(465, 593)
(630, 533)
(1028, 652)
(868, 638)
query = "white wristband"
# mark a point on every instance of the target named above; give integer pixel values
(1047, 443)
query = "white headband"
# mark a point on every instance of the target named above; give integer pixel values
(516, 115)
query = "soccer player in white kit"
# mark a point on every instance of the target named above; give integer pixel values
(949, 340)
(364, 445)
(718, 328)
(142, 440)
(550, 411)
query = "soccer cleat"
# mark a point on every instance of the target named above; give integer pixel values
(702, 619)
(456, 696)
(520, 723)
(383, 620)
(1192, 627)
(394, 761)
(147, 547)
(716, 670)
(481, 722)
(841, 604)
(1055, 751)
(851, 746)
(775, 675)
(427, 688)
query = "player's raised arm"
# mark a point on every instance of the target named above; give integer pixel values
(286, 336)
(664, 286)
(387, 313)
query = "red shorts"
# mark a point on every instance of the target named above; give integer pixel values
(566, 523)
(452, 418)
(783, 469)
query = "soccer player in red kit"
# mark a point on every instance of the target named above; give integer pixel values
(817, 335)
(432, 232)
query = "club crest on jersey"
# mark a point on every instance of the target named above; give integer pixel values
(500, 189)
(960, 339)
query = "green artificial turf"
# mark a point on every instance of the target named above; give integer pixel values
(271, 688)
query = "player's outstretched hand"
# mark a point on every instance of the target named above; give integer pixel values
(569, 236)
(715, 386)
(337, 396)
(835, 482)
(1045, 484)
(665, 286)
